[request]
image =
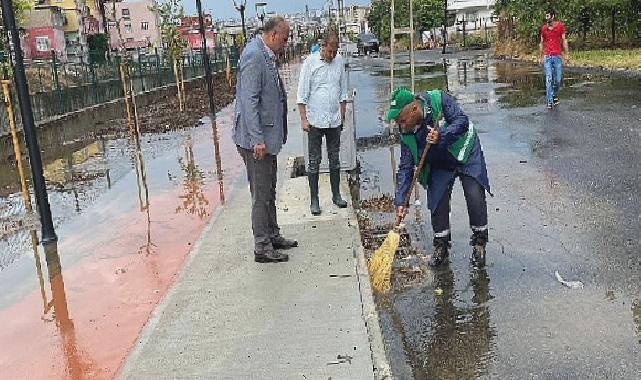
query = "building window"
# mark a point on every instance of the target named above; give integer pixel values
(127, 28)
(144, 25)
(130, 39)
(42, 43)
(125, 12)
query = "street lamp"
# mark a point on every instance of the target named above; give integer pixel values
(261, 14)
(240, 7)
(28, 124)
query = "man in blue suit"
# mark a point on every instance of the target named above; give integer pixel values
(455, 151)
(260, 131)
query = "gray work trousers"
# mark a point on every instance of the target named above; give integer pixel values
(262, 176)
(315, 148)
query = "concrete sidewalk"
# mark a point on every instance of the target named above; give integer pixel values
(227, 317)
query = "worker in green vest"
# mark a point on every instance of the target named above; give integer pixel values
(435, 118)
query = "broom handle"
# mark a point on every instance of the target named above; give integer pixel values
(417, 172)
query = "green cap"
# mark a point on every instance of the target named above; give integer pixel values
(399, 99)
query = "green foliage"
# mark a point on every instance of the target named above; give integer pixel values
(428, 14)
(98, 45)
(20, 8)
(170, 12)
(585, 19)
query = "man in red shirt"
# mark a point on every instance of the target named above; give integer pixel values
(552, 35)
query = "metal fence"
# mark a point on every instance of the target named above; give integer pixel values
(58, 87)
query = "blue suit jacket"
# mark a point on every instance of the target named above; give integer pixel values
(444, 167)
(261, 101)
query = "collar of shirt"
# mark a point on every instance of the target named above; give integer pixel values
(269, 50)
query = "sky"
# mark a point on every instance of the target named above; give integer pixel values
(223, 9)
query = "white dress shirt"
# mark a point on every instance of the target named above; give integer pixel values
(321, 87)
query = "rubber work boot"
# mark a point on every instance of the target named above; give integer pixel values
(478, 255)
(280, 242)
(270, 256)
(335, 182)
(441, 253)
(478, 242)
(314, 207)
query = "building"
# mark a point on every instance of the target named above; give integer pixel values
(139, 25)
(190, 31)
(474, 14)
(356, 19)
(80, 19)
(45, 33)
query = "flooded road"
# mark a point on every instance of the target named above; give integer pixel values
(127, 210)
(566, 185)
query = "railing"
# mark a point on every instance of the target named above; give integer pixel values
(58, 87)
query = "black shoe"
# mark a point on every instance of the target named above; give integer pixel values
(270, 256)
(555, 100)
(335, 182)
(478, 255)
(282, 243)
(440, 256)
(550, 106)
(314, 207)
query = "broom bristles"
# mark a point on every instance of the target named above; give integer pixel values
(380, 265)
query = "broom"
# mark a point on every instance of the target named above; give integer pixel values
(380, 265)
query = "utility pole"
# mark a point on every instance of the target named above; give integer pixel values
(444, 25)
(22, 88)
(212, 105)
(240, 7)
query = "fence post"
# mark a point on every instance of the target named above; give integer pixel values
(94, 82)
(56, 81)
(142, 79)
(158, 78)
(118, 76)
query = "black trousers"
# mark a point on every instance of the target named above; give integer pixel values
(262, 176)
(315, 146)
(476, 211)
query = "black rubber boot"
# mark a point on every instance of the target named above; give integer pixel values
(335, 182)
(441, 252)
(314, 207)
(478, 242)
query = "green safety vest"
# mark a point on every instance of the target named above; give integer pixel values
(460, 149)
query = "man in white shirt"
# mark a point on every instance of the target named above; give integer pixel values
(322, 97)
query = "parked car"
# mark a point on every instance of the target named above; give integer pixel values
(367, 43)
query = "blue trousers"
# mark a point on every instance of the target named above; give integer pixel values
(553, 67)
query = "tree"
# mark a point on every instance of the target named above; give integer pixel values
(98, 45)
(20, 8)
(428, 14)
(170, 13)
(600, 19)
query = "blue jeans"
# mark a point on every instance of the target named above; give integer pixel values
(553, 67)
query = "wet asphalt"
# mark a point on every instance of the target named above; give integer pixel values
(566, 199)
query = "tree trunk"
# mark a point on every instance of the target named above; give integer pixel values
(613, 21)
(177, 76)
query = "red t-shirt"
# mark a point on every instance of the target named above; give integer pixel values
(552, 37)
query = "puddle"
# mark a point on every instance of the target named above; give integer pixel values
(455, 322)
(127, 209)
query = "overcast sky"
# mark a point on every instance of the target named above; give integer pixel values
(222, 9)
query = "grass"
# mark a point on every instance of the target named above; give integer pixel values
(613, 59)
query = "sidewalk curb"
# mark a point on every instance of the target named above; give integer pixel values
(382, 369)
(148, 329)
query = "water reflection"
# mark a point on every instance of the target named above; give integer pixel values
(193, 201)
(57, 310)
(458, 341)
(143, 191)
